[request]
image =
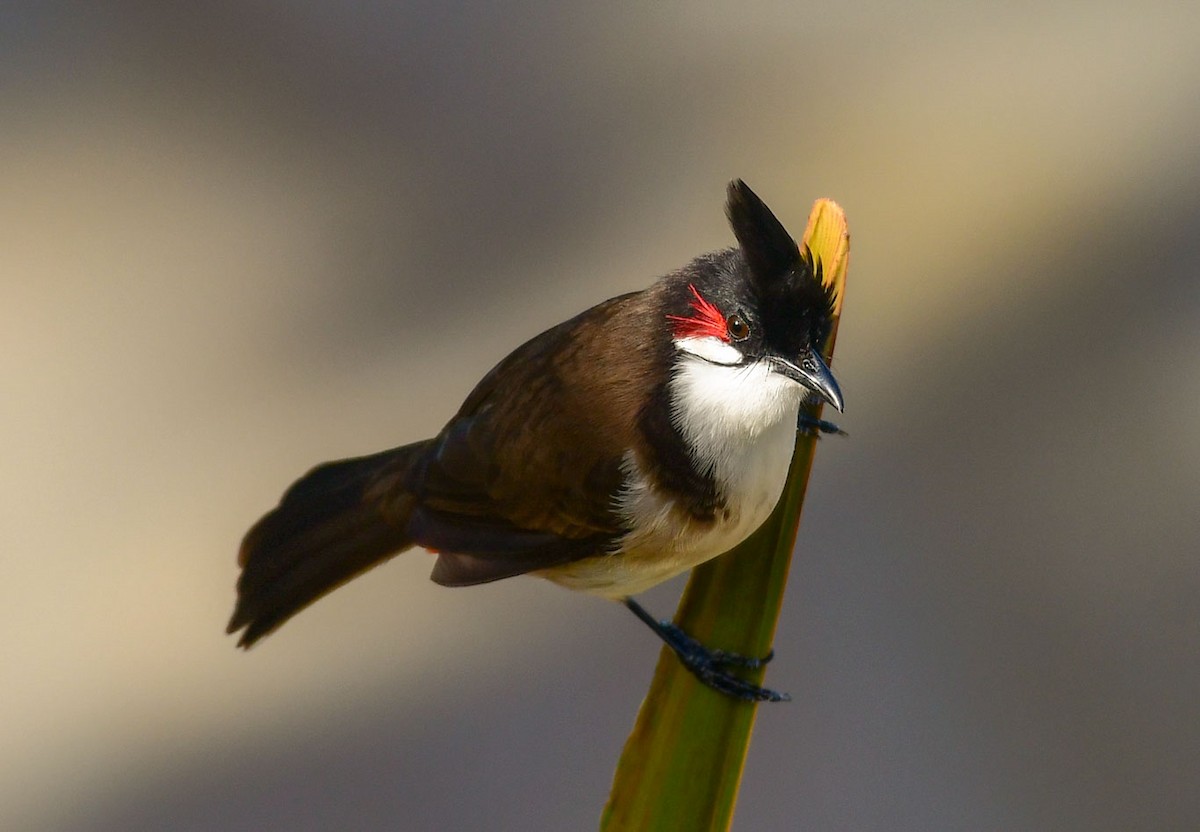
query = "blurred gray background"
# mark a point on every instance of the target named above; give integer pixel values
(240, 238)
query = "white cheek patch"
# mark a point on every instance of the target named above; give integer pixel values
(710, 349)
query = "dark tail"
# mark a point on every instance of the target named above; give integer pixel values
(336, 522)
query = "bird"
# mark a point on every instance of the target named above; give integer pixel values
(626, 445)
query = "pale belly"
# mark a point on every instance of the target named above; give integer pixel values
(647, 560)
(665, 541)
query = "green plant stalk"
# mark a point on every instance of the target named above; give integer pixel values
(682, 764)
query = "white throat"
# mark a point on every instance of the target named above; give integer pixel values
(740, 420)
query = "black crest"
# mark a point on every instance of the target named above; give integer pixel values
(770, 251)
(793, 304)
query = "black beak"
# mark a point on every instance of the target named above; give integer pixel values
(813, 373)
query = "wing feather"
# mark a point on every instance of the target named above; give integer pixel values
(527, 473)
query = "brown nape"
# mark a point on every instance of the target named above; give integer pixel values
(333, 524)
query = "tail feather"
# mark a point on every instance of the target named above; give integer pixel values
(331, 526)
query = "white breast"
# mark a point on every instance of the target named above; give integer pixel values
(741, 421)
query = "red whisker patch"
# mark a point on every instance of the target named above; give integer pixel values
(707, 320)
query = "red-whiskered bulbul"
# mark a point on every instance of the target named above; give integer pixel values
(623, 446)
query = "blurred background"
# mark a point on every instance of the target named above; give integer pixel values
(238, 239)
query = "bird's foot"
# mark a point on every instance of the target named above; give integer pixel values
(808, 424)
(712, 666)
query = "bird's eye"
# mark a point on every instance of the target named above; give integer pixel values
(737, 327)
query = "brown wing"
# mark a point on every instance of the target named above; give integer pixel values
(526, 474)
